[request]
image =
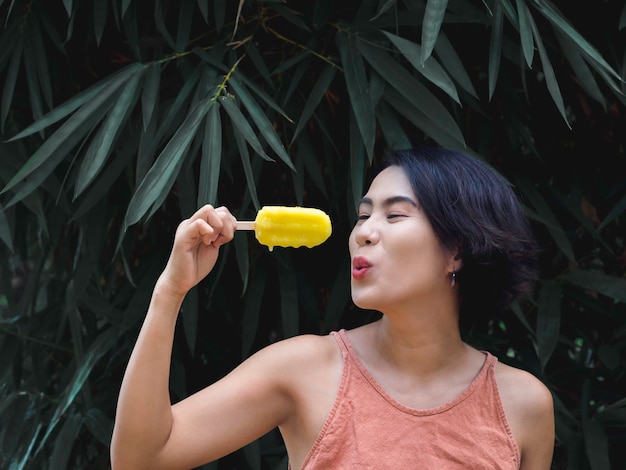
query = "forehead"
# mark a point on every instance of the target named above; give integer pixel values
(392, 181)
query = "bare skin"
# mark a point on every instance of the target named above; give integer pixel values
(415, 351)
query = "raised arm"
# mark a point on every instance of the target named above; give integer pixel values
(151, 433)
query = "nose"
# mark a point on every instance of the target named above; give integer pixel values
(366, 232)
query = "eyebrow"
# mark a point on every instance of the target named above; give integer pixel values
(389, 201)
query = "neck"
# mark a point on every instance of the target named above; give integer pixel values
(419, 345)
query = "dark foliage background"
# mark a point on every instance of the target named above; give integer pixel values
(120, 117)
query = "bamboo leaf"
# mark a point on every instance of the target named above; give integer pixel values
(452, 63)
(102, 143)
(317, 93)
(65, 139)
(430, 69)
(125, 5)
(288, 15)
(615, 212)
(68, 6)
(239, 121)
(548, 10)
(64, 442)
(391, 128)
(596, 444)
(5, 230)
(548, 320)
(247, 166)
(547, 217)
(252, 309)
(185, 18)
(548, 71)
(162, 174)
(203, 6)
(413, 91)
(100, 12)
(219, 13)
(67, 130)
(495, 48)
(150, 93)
(159, 22)
(357, 161)
(8, 90)
(262, 122)
(104, 88)
(581, 69)
(312, 164)
(41, 63)
(383, 8)
(433, 18)
(32, 77)
(605, 284)
(525, 32)
(339, 298)
(356, 83)
(289, 311)
(99, 424)
(97, 349)
(211, 158)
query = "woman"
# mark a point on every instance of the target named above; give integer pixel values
(440, 238)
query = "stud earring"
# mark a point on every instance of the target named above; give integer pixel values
(453, 281)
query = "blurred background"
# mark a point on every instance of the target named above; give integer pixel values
(118, 118)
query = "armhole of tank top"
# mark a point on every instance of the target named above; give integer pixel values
(343, 381)
(517, 454)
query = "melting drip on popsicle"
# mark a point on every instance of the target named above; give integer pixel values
(289, 226)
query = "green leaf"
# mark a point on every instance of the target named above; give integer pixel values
(452, 63)
(104, 140)
(97, 349)
(289, 311)
(150, 93)
(99, 92)
(8, 91)
(547, 217)
(596, 444)
(252, 308)
(391, 128)
(615, 212)
(581, 69)
(100, 12)
(339, 298)
(5, 230)
(262, 122)
(525, 32)
(433, 115)
(495, 48)
(162, 174)
(356, 83)
(64, 442)
(548, 71)
(99, 424)
(605, 284)
(203, 6)
(240, 122)
(357, 162)
(125, 5)
(159, 22)
(68, 6)
(430, 69)
(247, 166)
(548, 320)
(211, 158)
(383, 8)
(433, 18)
(548, 10)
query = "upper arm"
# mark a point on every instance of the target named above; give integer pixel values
(225, 416)
(529, 410)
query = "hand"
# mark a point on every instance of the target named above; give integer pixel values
(196, 248)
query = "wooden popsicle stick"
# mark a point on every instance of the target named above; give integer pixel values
(245, 225)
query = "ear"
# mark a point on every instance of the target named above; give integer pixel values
(455, 261)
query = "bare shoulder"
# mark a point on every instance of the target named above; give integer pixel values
(529, 410)
(522, 391)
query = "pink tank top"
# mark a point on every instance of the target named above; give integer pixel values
(366, 428)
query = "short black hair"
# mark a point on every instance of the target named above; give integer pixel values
(473, 209)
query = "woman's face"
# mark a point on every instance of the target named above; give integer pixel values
(396, 257)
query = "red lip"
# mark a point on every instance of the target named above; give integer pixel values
(360, 267)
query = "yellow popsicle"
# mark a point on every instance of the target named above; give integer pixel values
(289, 226)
